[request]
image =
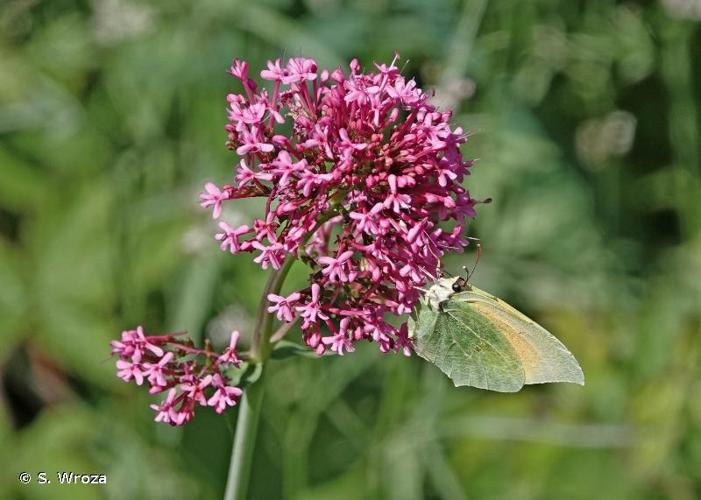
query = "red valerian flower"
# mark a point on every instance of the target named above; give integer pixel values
(193, 377)
(362, 180)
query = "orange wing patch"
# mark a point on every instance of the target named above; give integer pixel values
(526, 352)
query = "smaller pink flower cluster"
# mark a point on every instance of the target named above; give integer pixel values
(191, 376)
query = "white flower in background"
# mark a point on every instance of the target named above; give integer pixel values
(116, 20)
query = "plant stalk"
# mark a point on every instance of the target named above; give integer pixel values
(252, 400)
(244, 441)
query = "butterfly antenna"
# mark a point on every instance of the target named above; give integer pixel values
(430, 249)
(468, 275)
(439, 272)
(426, 273)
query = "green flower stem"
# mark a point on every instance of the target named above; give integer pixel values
(252, 400)
(260, 344)
(244, 441)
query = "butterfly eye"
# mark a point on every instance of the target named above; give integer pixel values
(459, 285)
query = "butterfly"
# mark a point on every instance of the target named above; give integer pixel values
(479, 340)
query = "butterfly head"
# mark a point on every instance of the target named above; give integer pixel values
(461, 284)
(445, 287)
(440, 291)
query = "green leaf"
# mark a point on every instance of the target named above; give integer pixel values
(287, 349)
(237, 375)
(250, 373)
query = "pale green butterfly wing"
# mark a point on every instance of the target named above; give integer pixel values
(467, 347)
(543, 357)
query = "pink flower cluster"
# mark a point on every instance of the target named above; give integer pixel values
(362, 181)
(190, 376)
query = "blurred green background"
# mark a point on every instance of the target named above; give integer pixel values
(586, 120)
